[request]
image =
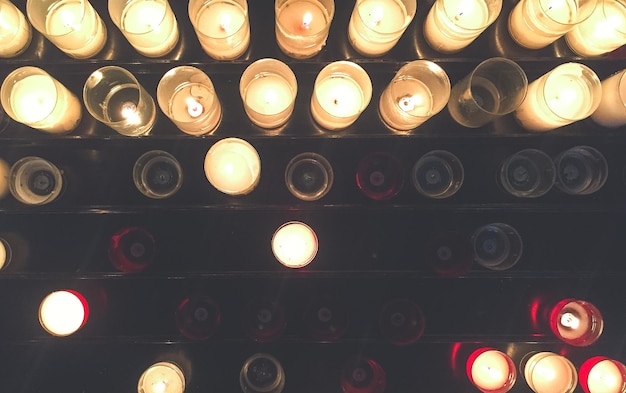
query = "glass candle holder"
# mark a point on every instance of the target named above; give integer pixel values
(35, 181)
(600, 374)
(73, 26)
(568, 93)
(30, 96)
(198, 317)
(157, 174)
(437, 174)
(418, 91)
(222, 27)
(363, 375)
(309, 176)
(451, 25)
(611, 111)
(294, 244)
(547, 372)
(576, 322)
(115, 98)
(5, 254)
(497, 246)
(581, 170)
(268, 90)
(341, 92)
(380, 176)
(402, 322)
(491, 371)
(233, 166)
(535, 24)
(603, 32)
(15, 31)
(150, 26)
(376, 26)
(496, 87)
(264, 319)
(262, 373)
(326, 318)
(302, 26)
(450, 254)
(63, 313)
(529, 173)
(162, 377)
(187, 97)
(132, 249)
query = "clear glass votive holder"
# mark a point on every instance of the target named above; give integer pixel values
(529, 173)
(418, 91)
(222, 27)
(437, 174)
(496, 87)
(581, 170)
(150, 26)
(187, 97)
(15, 31)
(72, 26)
(302, 26)
(114, 97)
(569, 93)
(376, 26)
(35, 181)
(157, 174)
(309, 176)
(342, 91)
(611, 111)
(497, 246)
(268, 90)
(603, 32)
(30, 96)
(262, 373)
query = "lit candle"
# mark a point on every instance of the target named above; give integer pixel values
(233, 166)
(491, 371)
(568, 93)
(294, 244)
(603, 375)
(5, 254)
(162, 377)
(576, 322)
(15, 31)
(302, 26)
(62, 313)
(342, 91)
(603, 32)
(32, 97)
(71, 25)
(186, 95)
(612, 109)
(451, 25)
(268, 89)
(377, 25)
(547, 372)
(149, 25)
(222, 27)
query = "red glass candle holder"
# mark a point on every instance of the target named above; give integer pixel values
(363, 375)
(450, 254)
(326, 319)
(491, 371)
(576, 322)
(602, 375)
(132, 249)
(401, 322)
(198, 317)
(264, 319)
(380, 176)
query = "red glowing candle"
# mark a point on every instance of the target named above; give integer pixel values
(603, 375)
(491, 371)
(576, 322)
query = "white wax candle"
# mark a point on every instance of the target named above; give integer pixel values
(233, 166)
(602, 32)
(62, 313)
(550, 373)
(162, 377)
(534, 25)
(150, 26)
(224, 30)
(605, 377)
(78, 33)
(340, 101)
(377, 25)
(302, 27)
(612, 109)
(410, 106)
(451, 27)
(192, 108)
(15, 32)
(490, 370)
(3, 254)
(267, 98)
(294, 245)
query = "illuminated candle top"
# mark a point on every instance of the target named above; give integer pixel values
(603, 375)
(233, 166)
(302, 17)
(470, 14)
(384, 16)
(33, 98)
(163, 377)
(547, 372)
(576, 322)
(491, 370)
(294, 244)
(221, 20)
(62, 313)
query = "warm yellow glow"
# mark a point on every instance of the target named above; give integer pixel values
(294, 244)
(194, 108)
(163, 377)
(3, 254)
(62, 313)
(232, 166)
(569, 320)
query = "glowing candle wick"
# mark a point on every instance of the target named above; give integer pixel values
(377, 15)
(569, 320)
(408, 103)
(160, 386)
(225, 21)
(129, 112)
(194, 108)
(306, 20)
(270, 96)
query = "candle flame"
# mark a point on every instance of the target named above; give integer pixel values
(159, 387)
(225, 21)
(129, 112)
(307, 18)
(569, 320)
(409, 103)
(377, 15)
(194, 108)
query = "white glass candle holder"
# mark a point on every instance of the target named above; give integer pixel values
(15, 31)
(262, 373)
(162, 377)
(497, 246)
(535, 24)
(529, 173)
(376, 26)
(233, 166)
(603, 32)
(114, 97)
(35, 181)
(150, 26)
(611, 111)
(437, 174)
(418, 91)
(32, 97)
(157, 174)
(491, 371)
(73, 26)
(63, 313)
(294, 244)
(342, 91)
(309, 176)
(186, 95)
(222, 27)
(600, 374)
(547, 372)
(302, 26)
(581, 170)
(576, 322)
(268, 90)
(451, 25)
(569, 93)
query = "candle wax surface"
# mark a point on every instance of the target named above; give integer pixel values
(140, 17)
(294, 245)
(567, 96)
(340, 96)
(62, 313)
(490, 370)
(15, 32)
(190, 102)
(413, 97)
(560, 11)
(468, 14)
(220, 20)
(302, 17)
(268, 94)
(602, 32)
(550, 374)
(162, 379)
(33, 98)
(64, 17)
(605, 377)
(383, 16)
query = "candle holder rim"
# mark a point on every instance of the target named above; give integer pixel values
(580, 16)
(78, 296)
(409, 5)
(328, 5)
(513, 68)
(470, 31)
(40, 27)
(257, 69)
(168, 364)
(335, 69)
(195, 5)
(117, 14)
(251, 149)
(591, 81)
(313, 254)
